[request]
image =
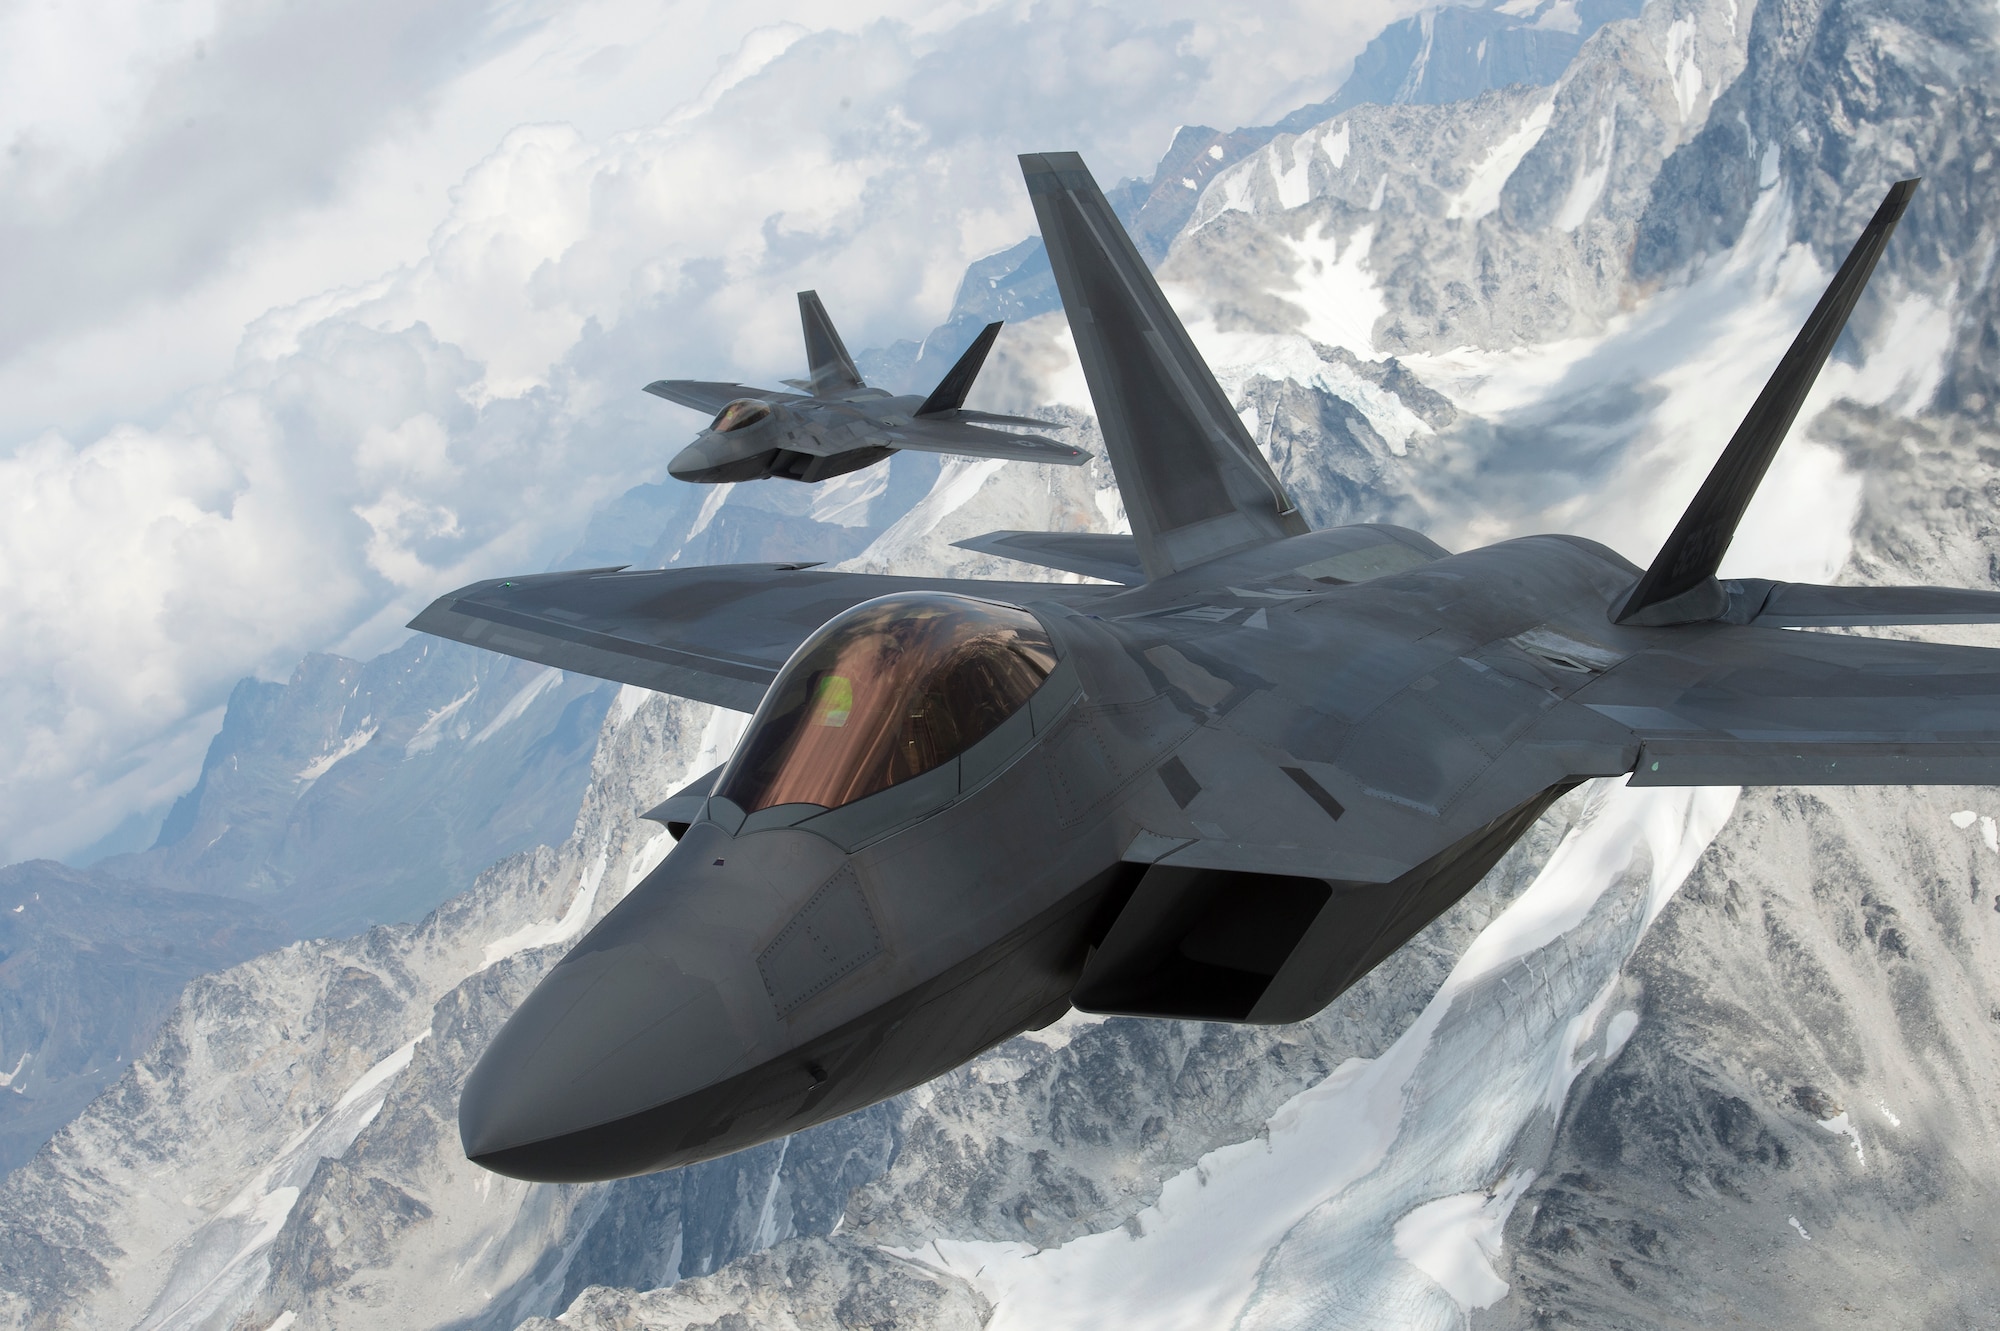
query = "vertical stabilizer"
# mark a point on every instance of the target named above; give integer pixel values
(1194, 484)
(833, 371)
(950, 393)
(1680, 587)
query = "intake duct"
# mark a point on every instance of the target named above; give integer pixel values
(1200, 944)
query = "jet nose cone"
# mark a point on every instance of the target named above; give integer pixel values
(571, 1086)
(691, 462)
(608, 1036)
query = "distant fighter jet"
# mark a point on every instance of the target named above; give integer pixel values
(1223, 790)
(839, 424)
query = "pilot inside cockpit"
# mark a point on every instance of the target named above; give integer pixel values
(740, 414)
(885, 692)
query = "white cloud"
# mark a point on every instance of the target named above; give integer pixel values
(317, 312)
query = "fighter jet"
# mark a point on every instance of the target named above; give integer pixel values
(838, 423)
(1222, 786)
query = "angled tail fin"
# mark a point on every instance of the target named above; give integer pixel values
(950, 393)
(833, 371)
(1194, 484)
(1680, 587)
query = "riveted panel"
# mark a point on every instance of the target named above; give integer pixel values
(833, 933)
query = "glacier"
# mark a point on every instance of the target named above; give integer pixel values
(1683, 1056)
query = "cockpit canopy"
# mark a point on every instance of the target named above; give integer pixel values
(884, 692)
(743, 412)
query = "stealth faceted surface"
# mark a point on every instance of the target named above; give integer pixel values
(1439, 702)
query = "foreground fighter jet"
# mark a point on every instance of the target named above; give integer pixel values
(840, 424)
(1223, 790)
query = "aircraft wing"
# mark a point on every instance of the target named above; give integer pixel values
(711, 397)
(1106, 555)
(1756, 706)
(716, 634)
(976, 441)
(1809, 605)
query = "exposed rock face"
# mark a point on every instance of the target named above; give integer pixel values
(1453, 53)
(1669, 1064)
(1804, 1114)
(1819, 1025)
(89, 966)
(431, 749)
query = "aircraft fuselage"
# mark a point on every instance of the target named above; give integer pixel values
(802, 441)
(1205, 739)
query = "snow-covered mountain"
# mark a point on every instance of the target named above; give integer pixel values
(1685, 1056)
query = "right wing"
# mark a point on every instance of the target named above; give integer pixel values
(957, 437)
(995, 418)
(1812, 606)
(1732, 705)
(707, 395)
(716, 634)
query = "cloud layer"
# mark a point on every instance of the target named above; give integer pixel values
(314, 313)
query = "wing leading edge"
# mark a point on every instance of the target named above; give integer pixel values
(710, 396)
(717, 634)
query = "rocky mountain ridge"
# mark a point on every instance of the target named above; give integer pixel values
(1668, 1064)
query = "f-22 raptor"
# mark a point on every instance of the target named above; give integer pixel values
(1223, 788)
(839, 424)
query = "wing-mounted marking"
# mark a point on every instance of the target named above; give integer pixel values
(717, 635)
(1192, 479)
(1680, 587)
(1759, 706)
(833, 372)
(709, 396)
(1093, 554)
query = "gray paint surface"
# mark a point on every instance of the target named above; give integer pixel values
(1262, 765)
(837, 423)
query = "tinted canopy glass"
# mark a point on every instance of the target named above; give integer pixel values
(884, 692)
(743, 411)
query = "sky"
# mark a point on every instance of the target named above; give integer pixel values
(309, 312)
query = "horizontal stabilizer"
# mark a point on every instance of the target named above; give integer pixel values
(1809, 606)
(950, 393)
(708, 396)
(1113, 558)
(925, 436)
(1680, 586)
(832, 369)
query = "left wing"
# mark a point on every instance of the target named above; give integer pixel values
(709, 396)
(1735, 705)
(717, 635)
